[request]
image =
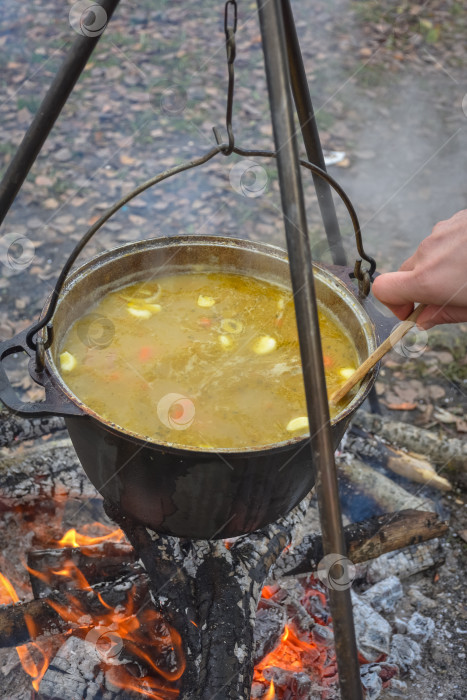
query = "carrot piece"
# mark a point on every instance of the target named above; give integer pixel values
(205, 322)
(327, 361)
(145, 353)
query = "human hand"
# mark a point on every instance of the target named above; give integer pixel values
(436, 274)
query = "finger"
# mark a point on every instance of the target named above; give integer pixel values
(396, 288)
(436, 315)
(401, 311)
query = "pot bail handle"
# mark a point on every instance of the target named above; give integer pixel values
(54, 404)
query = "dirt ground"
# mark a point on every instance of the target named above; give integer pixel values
(388, 85)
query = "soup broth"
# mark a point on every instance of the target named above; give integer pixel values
(204, 360)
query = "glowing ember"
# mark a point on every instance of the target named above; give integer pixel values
(298, 652)
(26, 651)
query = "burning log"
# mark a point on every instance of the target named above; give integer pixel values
(98, 563)
(14, 429)
(366, 540)
(406, 464)
(198, 583)
(449, 452)
(23, 622)
(383, 491)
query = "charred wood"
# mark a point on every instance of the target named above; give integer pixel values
(210, 595)
(22, 622)
(366, 540)
(14, 429)
(48, 470)
(98, 563)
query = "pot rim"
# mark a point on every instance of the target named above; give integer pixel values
(324, 275)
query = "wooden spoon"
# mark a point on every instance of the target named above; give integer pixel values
(376, 356)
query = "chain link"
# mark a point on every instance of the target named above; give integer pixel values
(229, 28)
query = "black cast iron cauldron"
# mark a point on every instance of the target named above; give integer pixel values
(180, 491)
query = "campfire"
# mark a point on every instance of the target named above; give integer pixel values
(90, 615)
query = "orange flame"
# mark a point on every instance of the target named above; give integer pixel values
(292, 654)
(271, 694)
(142, 633)
(71, 538)
(126, 627)
(35, 670)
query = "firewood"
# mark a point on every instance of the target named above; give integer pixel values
(406, 464)
(14, 429)
(98, 563)
(383, 491)
(47, 470)
(199, 583)
(46, 621)
(445, 451)
(365, 540)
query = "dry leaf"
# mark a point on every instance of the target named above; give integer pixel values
(127, 160)
(406, 406)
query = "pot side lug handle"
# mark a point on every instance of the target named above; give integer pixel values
(384, 325)
(54, 404)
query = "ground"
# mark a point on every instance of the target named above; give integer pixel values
(388, 86)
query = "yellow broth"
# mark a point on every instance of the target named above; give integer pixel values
(204, 360)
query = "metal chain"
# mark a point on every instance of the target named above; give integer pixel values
(230, 29)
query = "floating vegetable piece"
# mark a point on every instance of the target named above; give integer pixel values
(142, 310)
(327, 361)
(145, 353)
(264, 344)
(148, 296)
(205, 302)
(281, 304)
(67, 361)
(346, 372)
(205, 322)
(231, 325)
(297, 424)
(225, 341)
(139, 313)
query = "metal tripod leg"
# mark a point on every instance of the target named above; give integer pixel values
(293, 206)
(309, 128)
(48, 112)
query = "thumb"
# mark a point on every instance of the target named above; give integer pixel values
(397, 290)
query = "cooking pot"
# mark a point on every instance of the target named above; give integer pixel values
(181, 491)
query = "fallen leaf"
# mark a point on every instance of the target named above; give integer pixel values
(127, 160)
(461, 425)
(406, 406)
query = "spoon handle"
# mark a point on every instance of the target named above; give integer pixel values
(376, 356)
